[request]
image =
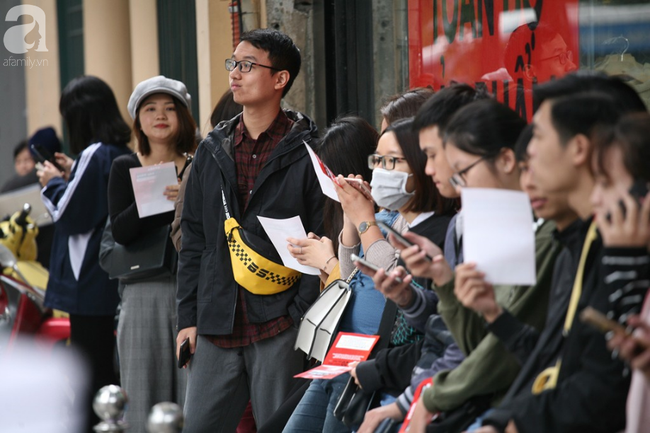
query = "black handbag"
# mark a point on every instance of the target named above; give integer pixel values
(354, 403)
(149, 256)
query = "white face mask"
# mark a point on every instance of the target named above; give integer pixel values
(389, 188)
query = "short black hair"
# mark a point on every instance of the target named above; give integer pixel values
(438, 109)
(627, 99)
(90, 112)
(484, 127)
(521, 146)
(23, 145)
(584, 113)
(283, 53)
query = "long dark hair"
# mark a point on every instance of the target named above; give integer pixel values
(344, 148)
(427, 198)
(90, 113)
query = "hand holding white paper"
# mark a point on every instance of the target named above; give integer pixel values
(278, 230)
(498, 235)
(149, 184)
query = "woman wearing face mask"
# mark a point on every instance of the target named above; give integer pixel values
(479, 142)
(621, 165)
(399, 183)
(415, 197)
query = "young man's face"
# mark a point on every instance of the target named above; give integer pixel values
(254, 87)
(548, 159)
(549, 206)
(437, 165)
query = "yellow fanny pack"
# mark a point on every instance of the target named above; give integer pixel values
(251, 269)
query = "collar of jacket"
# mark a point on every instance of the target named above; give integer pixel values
(222, 135)
(290, 149)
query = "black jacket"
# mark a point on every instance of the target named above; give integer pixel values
(285, 187)
(591, 388)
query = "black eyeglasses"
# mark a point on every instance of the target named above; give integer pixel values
(245, 65)
(564, 57)
(386, 162)
(457, 179)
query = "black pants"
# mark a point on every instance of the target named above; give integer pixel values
(94, 337)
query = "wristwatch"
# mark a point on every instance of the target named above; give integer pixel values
(365, 225)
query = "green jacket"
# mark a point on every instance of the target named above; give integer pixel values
(489, 368)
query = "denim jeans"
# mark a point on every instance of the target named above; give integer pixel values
(315, 412)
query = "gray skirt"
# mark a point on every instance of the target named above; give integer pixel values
(146, 343)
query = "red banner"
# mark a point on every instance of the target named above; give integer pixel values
(504, 46)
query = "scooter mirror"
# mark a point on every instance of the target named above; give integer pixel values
(7, 258)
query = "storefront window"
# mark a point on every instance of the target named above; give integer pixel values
(506, 46)
(615, 39)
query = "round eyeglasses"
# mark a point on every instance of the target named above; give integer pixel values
(563, 57)
(386, 162)
(244, 65)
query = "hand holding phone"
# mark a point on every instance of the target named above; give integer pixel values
(369, 265)
(42, 155)
(401, 239)
(184, 353)
(360, 186)
(600, 322)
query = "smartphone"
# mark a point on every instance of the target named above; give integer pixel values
(42, 154)
(398, 236)
(358, 185)
(604, 324)
(184, 353)
(367, 264)
(601, 322)
(639, 189)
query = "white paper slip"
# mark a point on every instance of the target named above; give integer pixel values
(498, 234)
(278, 230)
(325, 176)
(149, 184)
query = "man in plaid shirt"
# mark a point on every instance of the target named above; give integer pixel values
(242, 343)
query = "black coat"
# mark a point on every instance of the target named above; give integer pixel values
(591, 388)
(285, 187)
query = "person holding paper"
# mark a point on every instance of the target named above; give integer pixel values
(569, 381)
(78, 203)
(422, 209)
(344, 148)
(438, 351)
(479, 142)
(160, 108)
(254, 165)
